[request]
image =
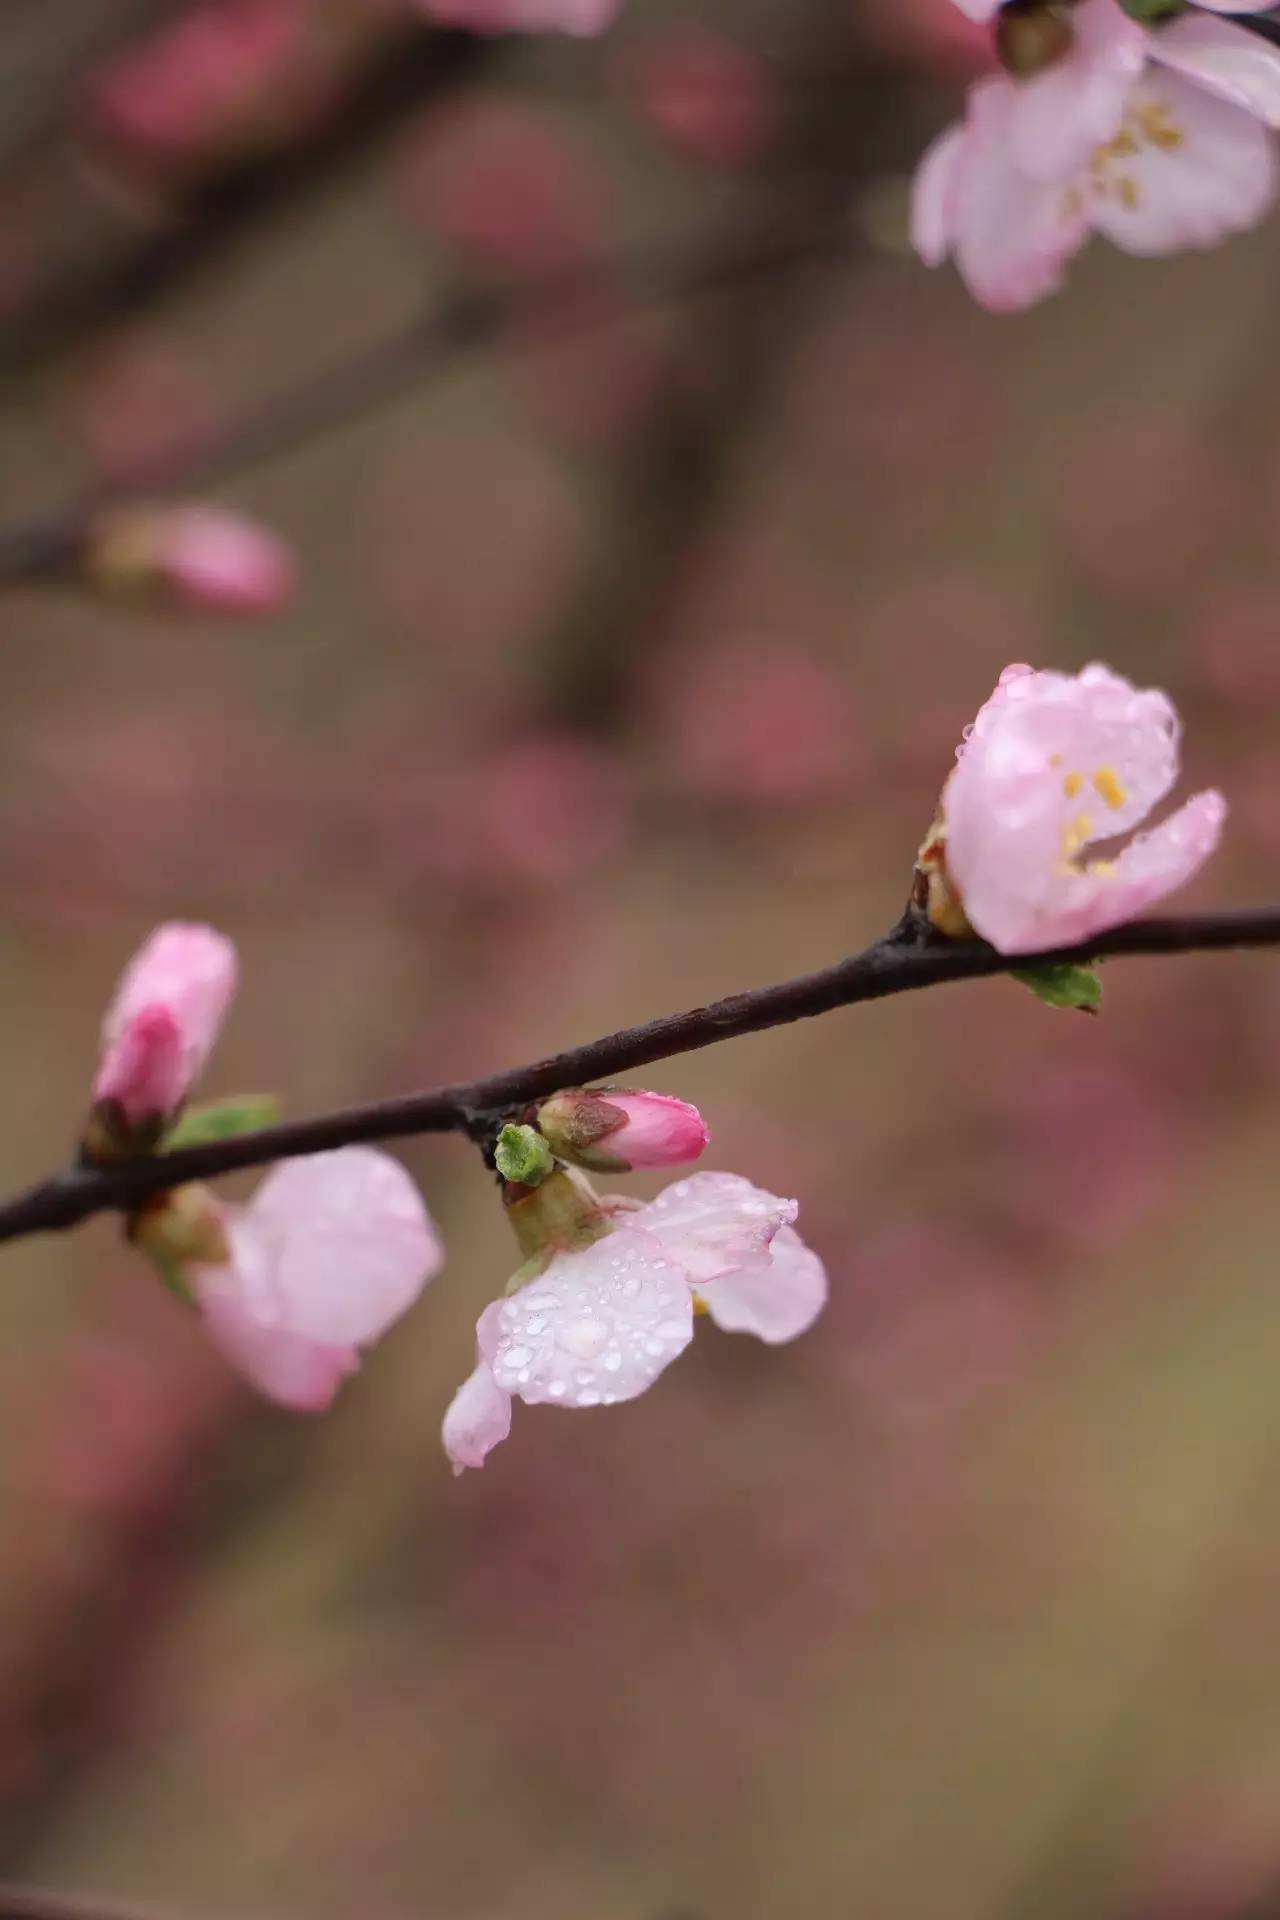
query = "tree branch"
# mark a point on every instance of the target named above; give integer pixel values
(906, 960)
(565, 301)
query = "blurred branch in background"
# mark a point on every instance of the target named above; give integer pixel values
(469, 322)
(94, 231)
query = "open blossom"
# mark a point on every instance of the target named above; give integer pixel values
(163, 1021)
(1053, 764)
(582, 17)
(601, 1322)
(330, 1252)
(1155, 137)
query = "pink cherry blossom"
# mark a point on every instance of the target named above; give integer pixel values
(1053, 764)
(330, 1252)
(164, 1019)
(1154, 137)
(581, 17)
(601, 1322)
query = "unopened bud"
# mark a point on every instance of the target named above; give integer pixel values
(614, 1132)
(1032, 34)
(195, 557)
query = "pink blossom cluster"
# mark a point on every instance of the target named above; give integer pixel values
(1055, 764)
(1156, 137)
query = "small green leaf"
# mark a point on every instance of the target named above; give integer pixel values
(223, 1120)
(1077, 988)
(523, 1156)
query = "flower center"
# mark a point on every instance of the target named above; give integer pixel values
(1147, 123)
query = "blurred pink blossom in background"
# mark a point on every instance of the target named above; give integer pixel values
(524, 16)
(205, 85)
(707, 95)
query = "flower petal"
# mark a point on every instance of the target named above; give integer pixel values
(1150, 868)
(301, 1374)
(1195, 169)
(352, 1246)
(715, 1223)
(598, 1326)
(933, 196)
(479, 1415)
(1012, 234)
(1226, 60)
(1053, 763)
(776, 1303)
(1058, 117)
(185, 972)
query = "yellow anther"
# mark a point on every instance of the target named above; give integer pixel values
(1076, 835)
(699, 1305)
(1109, 788)
(1072, 785)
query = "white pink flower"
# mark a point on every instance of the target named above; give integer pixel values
(1054, 764)
(581, 17)
(163, 1021)
(330, 1252)
(601, 1322)
(1155, 137)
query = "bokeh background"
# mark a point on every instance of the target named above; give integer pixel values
(624, 671)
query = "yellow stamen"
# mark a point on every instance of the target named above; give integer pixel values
(700, 1306)
(1072, 785)
(1109, 788)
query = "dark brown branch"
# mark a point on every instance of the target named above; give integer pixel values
(49, 546)
(903, 962)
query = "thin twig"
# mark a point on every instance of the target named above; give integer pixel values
(906, 960)
(566, 301)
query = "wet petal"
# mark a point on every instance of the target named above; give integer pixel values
(598, 1326)
(776, 1303)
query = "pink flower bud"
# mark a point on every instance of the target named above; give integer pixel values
(616, 1132)
(162, 1023)
(198, 557)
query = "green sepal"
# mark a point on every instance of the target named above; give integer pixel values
(1068, 985)
(226, 1119)
(523, 1157)
(172, 1277)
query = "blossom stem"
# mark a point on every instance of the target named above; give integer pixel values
(907, 959)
